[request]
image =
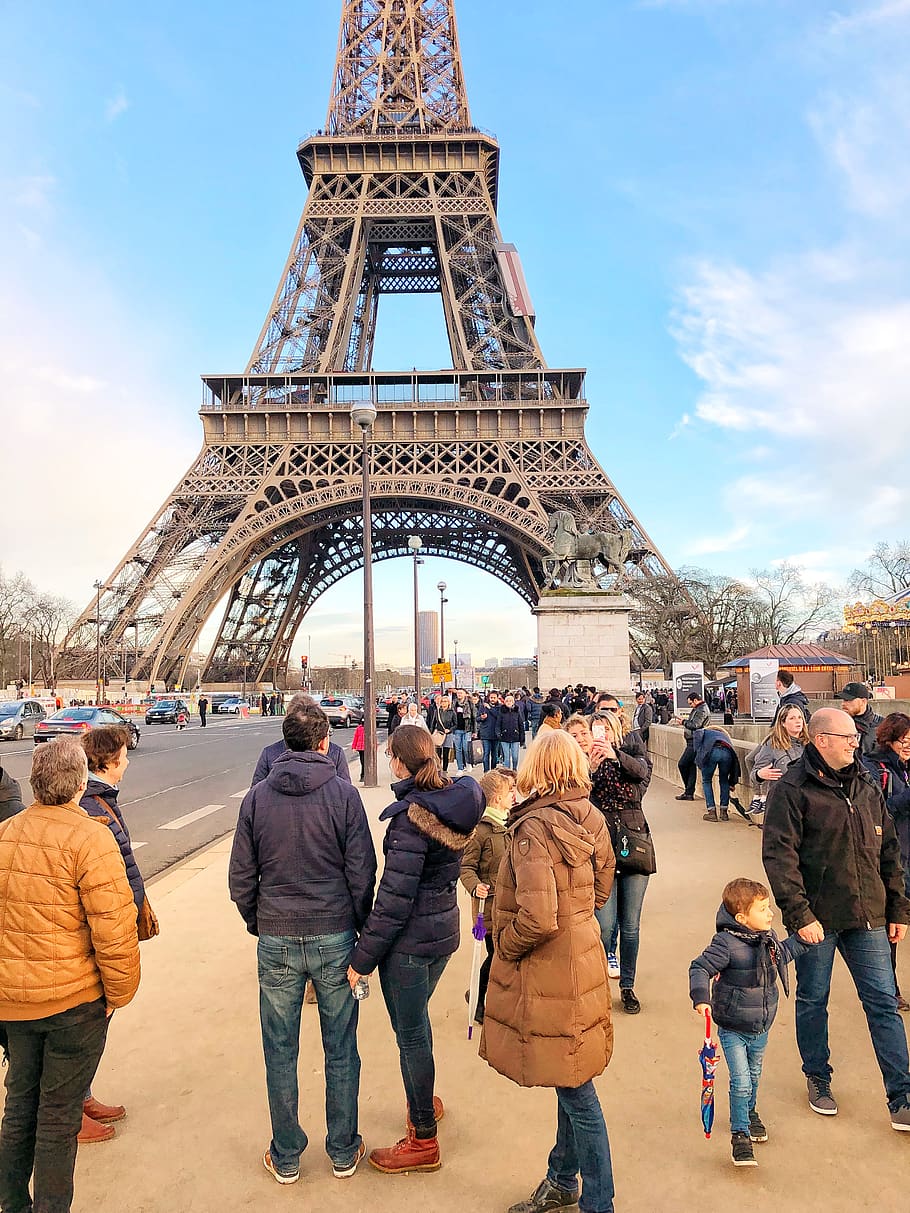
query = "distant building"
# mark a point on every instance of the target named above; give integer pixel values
(428, 637)
(514, 661)
(491, 663)
(463, 659)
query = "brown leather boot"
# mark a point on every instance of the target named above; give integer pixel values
(410, 1154)
(103, 1112)
(93, 1131)
(438, 1111)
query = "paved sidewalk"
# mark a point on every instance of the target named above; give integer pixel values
(186, 1060)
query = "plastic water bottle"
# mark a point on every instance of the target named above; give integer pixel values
(361, 989)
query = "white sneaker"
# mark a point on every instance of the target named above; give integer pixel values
(612, 965)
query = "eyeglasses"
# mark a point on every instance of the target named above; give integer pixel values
(852, 738)
(606, 708)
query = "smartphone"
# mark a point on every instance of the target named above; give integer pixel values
(598, 730)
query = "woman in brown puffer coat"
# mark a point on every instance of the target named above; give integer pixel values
(547, 1016)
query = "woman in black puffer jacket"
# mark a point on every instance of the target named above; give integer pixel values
(412, 929)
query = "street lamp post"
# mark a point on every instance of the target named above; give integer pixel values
(455, 671)
(98, 588)
(363, 415)
(441, 586)
(415, 544)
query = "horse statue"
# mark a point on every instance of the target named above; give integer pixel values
(573, 553)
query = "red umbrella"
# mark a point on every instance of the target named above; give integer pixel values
(707, 1055)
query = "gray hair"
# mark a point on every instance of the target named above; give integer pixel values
(59, 769)
(301, 700)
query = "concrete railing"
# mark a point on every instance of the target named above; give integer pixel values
(666, 744)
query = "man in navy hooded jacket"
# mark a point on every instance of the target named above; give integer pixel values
(302, 873)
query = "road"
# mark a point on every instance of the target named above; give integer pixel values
(182, 789)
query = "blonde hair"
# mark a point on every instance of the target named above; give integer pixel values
(779, 738)
(497, 784)
(555, 762)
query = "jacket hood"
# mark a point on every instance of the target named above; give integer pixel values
(564, 817)
(726, 922)
(459, 805)
(295, 773)
(96, 787)
(887, 757)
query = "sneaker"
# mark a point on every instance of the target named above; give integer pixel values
(742, 1150)
(757, 1130)
(612, 965)
(283, 1177)
(820, 1098)
(900, 1119)
(630, 1003)
(546, 1196)
(348, 1171)
(684, 796)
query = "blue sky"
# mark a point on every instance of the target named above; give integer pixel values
(708, 197)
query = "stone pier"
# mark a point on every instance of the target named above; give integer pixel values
(583, 637)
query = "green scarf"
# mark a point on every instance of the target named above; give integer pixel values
(498, 816)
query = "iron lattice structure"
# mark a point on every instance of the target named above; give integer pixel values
(402, 197)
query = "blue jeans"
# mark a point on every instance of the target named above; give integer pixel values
(743, 1053)
(462, 740)
(51, 1062)
(489, 753)
(285, 966)
(721, 760)
(622, 911)
(582, 1145)
(407, 985)
(509, 751)
(868, 957)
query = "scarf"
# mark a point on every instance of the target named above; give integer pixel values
(497, 816)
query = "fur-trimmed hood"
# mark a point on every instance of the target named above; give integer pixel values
(446, 815)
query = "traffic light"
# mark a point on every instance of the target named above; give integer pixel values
(304, 661)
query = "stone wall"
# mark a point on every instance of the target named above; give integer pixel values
(666, 744)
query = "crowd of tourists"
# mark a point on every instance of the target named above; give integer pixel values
(555, 849)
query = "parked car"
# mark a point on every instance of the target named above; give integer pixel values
(341, 711)
(165, 711)
(232, 707)
(73, 722)
(19, 717)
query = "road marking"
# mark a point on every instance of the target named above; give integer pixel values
(239, 795)
(174, 787)
(188, 818)
(137, 845)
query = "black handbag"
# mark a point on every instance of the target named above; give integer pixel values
(635, 851)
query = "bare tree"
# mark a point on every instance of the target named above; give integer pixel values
(791, 608)
(695, 616)
(15, 595)
(49, 616)
(886, 571)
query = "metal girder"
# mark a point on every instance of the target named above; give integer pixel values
(398, 68)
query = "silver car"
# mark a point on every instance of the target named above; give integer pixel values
(18, 718)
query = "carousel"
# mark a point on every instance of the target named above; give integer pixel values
(882, 628)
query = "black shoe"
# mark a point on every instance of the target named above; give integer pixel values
(685, 796)
(630, 1003)
(742, 1150)
(757, 1130)
(820, 1098)
(546, 1196)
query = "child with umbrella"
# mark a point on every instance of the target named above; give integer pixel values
(746, 958)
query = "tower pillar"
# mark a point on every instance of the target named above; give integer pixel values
(584, 637)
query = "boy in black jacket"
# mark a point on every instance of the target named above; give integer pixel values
(746, 958)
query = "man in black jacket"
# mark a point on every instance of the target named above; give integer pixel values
(302, 874)
(791, 694)
(271, 753)
(833, 860)
(855, 697)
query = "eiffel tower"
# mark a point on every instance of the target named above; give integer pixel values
(402, 199)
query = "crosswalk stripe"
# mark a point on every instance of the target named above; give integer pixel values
(239, 795)
(188, 818)
(137, 845)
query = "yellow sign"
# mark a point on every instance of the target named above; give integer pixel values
(442, 671)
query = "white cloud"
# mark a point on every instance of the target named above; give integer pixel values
(870, 16)
(116, 105)
(714, 544)
(33, 193)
